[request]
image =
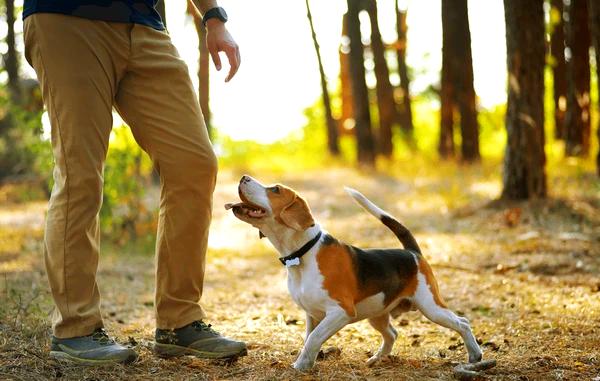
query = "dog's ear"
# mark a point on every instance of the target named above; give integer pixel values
(297, 215)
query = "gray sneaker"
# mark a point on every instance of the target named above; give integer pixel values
(196, 339)
(95, 349)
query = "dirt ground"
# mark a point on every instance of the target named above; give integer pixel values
(527, 275)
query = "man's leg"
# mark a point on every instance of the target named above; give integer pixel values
(78, 69)
(156, 98)
(77, 77)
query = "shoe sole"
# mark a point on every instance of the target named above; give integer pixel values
(62, 356)
(171, 350)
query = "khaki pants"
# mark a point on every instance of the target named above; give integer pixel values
(86, 67)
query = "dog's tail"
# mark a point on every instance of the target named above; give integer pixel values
(403, 234)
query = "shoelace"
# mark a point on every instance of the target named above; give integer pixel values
(199, 325)
(102, 337)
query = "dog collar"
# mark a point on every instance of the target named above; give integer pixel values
(294, 258)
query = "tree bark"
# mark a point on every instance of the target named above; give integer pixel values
(11, 61)
(386, 104)
(594, 11)
(360, 94)
(524, 162)
(332, 129)
(457, 72)
(160, 8)
(577, 119)
(203, 69)
(559, 66)
(405, 111)
(345, 83)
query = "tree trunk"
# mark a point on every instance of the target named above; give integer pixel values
(11, 62)
(457, 74)
(345, 83)
(559, 66)
(577, 119)
(332, 131)
(405, 113)
(203, 68)
(595, 32)
(447, 94)
(524, 162)
(160, 8)
(385, 93)
(360, 94)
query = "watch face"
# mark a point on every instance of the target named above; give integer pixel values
(222, 14)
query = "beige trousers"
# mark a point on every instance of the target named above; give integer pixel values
(86, 67)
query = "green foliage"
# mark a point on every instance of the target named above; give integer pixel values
(126, 213)
(23, 152)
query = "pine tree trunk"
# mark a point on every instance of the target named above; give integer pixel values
(577, 119)
(559, 67)
(385, 93)
(457, 72)
(332, 131)
(524, 162)
(595, 32)
(345, 83)
(448, 92)
(360, 94)
(11, 62)
(405, 113)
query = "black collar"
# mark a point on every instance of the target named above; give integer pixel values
(301, 251)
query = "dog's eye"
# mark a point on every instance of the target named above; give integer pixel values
(274, 189)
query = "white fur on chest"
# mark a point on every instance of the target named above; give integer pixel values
(305, 284)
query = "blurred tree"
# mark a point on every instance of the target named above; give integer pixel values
(524, 162)
(595, 29)
(385, 93)
(11, 58)
(577, 119)
(360, 94)
(345, 85)
(457, 82)
(405, 110)
(160, 7)
(332, 129)
(559, 66)
(203, 67)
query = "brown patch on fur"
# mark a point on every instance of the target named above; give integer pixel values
(290, 209)
(432, 282)
(337, 268)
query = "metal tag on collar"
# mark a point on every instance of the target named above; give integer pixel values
(292, 262)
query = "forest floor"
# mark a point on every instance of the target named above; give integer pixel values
(526, 274)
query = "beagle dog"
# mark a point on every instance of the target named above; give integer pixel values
(337, 284)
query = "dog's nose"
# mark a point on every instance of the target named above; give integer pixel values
(244, 179)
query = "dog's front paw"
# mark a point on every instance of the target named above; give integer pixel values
(475, 356)
(303, 364)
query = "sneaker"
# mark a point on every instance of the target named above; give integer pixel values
(95, 349)
(196, 339)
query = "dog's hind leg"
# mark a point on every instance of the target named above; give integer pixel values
(428, 305)
(388, 336)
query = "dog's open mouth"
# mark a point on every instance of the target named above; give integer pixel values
(246, 209)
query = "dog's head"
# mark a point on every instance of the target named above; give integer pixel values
(275, 210)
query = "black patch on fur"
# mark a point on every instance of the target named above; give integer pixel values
(328, 240)
(387, 270)
(404, 235)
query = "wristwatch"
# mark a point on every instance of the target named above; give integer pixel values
(217, 12)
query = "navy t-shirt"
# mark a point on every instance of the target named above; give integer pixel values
(129, 11)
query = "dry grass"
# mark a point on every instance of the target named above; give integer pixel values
(526, 275)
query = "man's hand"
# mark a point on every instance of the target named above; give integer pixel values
(218, 40)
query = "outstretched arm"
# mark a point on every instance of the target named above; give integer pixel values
(218, 39)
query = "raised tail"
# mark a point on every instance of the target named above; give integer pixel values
(403, 234)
